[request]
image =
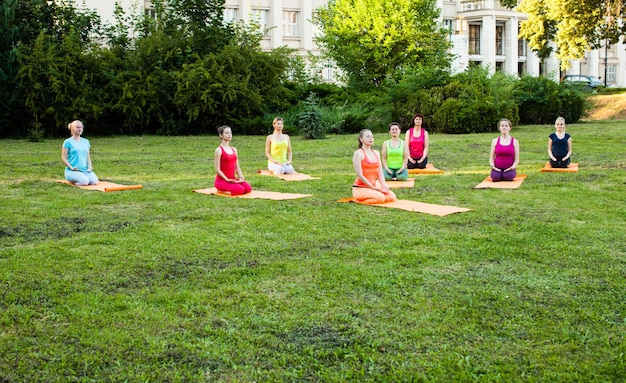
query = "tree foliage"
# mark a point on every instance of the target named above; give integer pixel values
(376, 40)
(184, 72)
(572, 26)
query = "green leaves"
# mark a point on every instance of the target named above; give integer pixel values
(573, 27)
(375, 40)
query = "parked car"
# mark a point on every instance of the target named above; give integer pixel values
(589, 82)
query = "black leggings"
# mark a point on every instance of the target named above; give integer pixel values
(416, 165)
(559, 163)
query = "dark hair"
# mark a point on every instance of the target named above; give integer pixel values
(392, 124)
(413, 119)
(221, 129)
(361, 133)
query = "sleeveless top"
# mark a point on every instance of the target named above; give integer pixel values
(395, 156)
(559, 145)
(278, 151)
(370, 170)
(228, 163)
(504, 155)
(416, 144)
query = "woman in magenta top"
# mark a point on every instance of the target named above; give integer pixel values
(504, 155)
(228, 174)
(417, 138)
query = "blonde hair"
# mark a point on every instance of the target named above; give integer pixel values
(73, 123)
(560, 119)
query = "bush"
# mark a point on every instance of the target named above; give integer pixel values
(309, 121)
(542, 100)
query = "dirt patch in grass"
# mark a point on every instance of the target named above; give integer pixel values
(607, 107)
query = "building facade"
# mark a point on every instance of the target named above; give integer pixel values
(482, 32)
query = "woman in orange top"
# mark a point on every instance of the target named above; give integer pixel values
(369, 186)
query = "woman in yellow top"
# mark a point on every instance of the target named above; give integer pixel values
(278, 150)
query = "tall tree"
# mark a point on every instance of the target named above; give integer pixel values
(375, 40)
(572, 26)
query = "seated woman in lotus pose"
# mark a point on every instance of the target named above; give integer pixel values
(75, 155)
(417, 139)
(559, 145)
(395, 155)
(369, 186)
(504, 154)
(278, 150)
(228, 174)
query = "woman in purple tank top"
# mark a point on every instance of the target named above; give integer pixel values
(504, 155)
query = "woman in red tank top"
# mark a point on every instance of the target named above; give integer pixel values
(228, 174)
(369, 186)
(417, 139)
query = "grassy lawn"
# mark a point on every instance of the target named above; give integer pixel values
(165, 285)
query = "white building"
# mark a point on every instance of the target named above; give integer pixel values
(482, 32)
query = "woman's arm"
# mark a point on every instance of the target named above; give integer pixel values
(240, 177)
(425, 153)
(64, 154)
(89, 165)
(550, 150)
(407, 138)
(268, 149)
(492, 155)
(381, 177)
(289, 153)
(516, 162)
(569, 149)
(356, 163)
(383, 153)
(405, 156)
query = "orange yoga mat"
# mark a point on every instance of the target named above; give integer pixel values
(255, 194)
(401, 184)
(430, 169)
(569, 169)
(488, 183)
(104, 186)
(288, 177)
(414, 206)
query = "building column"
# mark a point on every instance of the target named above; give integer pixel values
(488, 43)
(306, 14)
(276, 21)
(512, 55)
(245, 9)
(460, 46)
(620, 52)
(593, 63)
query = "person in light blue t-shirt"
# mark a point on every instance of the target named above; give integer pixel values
(75, 156)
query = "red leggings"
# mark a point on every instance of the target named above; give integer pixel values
(233, 188)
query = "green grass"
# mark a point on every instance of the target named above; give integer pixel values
(165, 285)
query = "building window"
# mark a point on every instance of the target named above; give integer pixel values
(448, 25)
(260, 17)
(150, 13)
(499, 66)
(611, 75)
(499, 39)
(290, 23)
(521, 68)
(474, 39)
(475, 64)
(521, 46)
(230, 15)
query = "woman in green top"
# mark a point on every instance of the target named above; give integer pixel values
(395, 155)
